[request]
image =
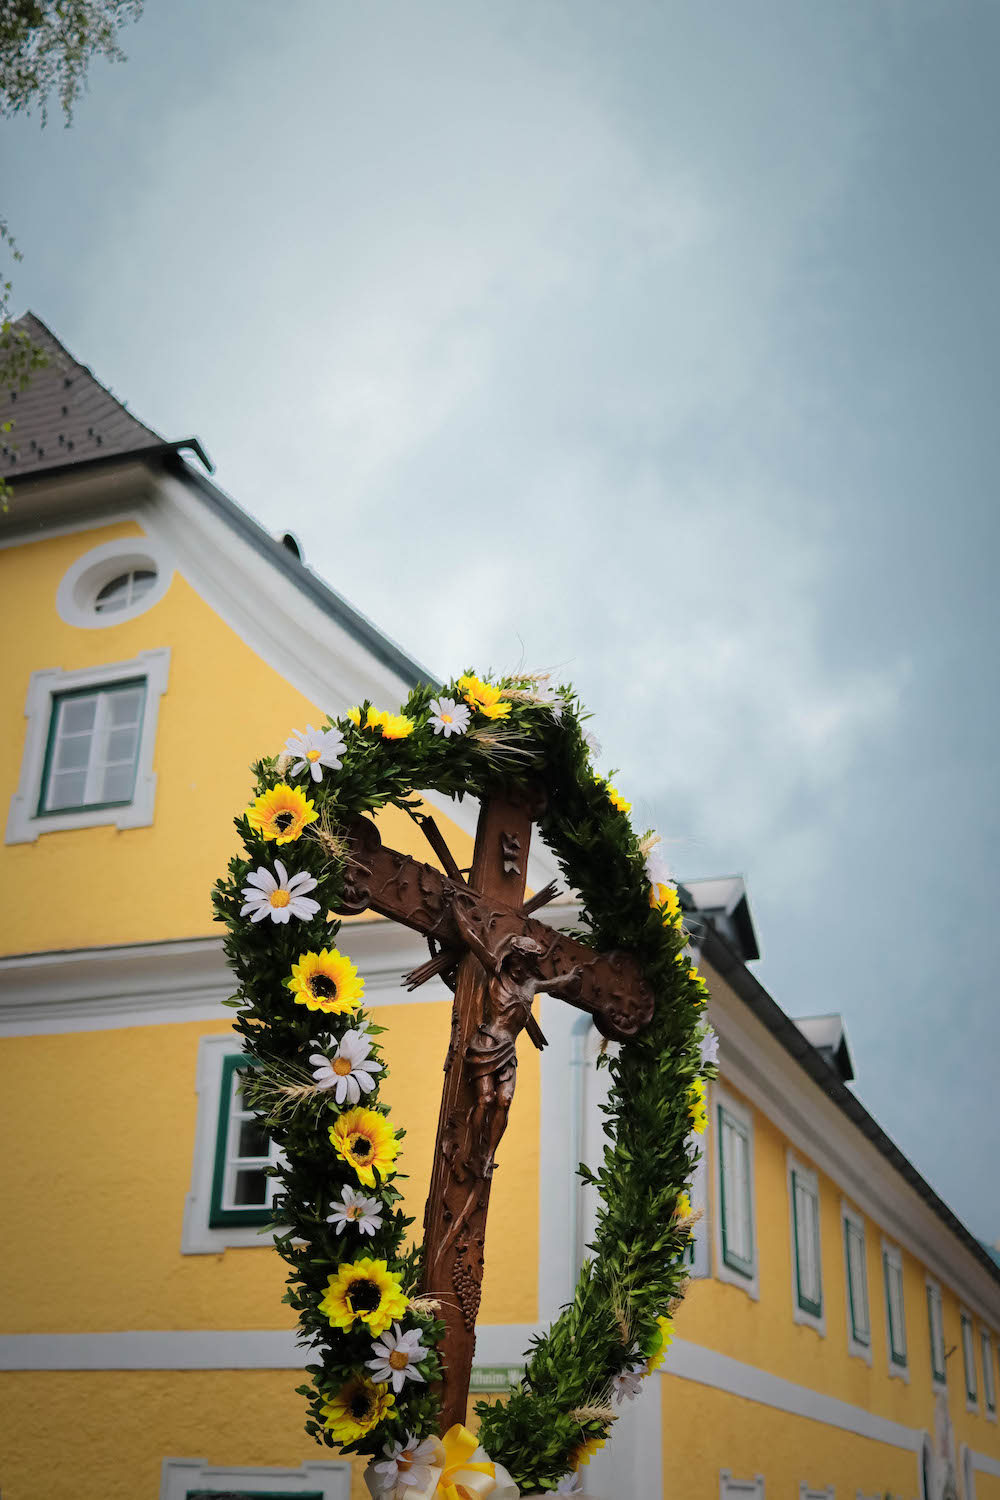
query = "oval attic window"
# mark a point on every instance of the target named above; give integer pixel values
(124, 590)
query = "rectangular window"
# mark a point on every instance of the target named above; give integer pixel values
(740, 1489)
(855, 1260)
(989, 1388)
(805, 1228)
(736, 1206)
(242, 1190)
(935, 1318)
(892, 1266)
(93, 746)
(969, 1360)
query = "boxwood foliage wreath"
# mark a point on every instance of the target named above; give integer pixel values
(315, 1067)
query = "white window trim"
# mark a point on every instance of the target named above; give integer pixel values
(197, 1235)
(964, 1316)
(740, 1489)
(939, 1382)
(893, 1253)
(700, 1266)
(850, 1215)
(987, 1349)
(179, 1475)
(793, 1164)
(809, 1492)
(723, 1272)
(23, 823)
(81, 583)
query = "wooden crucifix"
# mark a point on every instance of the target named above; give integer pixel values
(484, 940)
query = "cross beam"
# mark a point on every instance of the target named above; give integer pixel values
(507, 957)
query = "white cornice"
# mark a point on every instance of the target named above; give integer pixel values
(755, 1064)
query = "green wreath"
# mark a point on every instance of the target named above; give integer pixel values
(316, 1067)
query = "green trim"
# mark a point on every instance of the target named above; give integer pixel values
(989, 1374)
(969, 1360)
(735, 1262)
(861, 1334)
(806, 1304)
(939, 1373)
(897, 1353)
(219, 1217)
(55, 704)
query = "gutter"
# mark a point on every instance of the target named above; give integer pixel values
(734, 971)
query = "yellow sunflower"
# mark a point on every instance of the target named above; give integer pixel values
(396, 726)
(664, 899)
(326, 981)
(664, 1338)
(585, 1452)
(356, 1408)
(696, 1106)
(699, 982)
(364, 1289)
(281, 814)
(484, 697)
(365, 1139)
(617, 800)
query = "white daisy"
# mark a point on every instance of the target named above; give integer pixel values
(592, 743)
(570, 1484)
(627, 1385)
(657, 869)
(349, 1071)
(448, 717)
(281, 898)
(406, 1464)
(549, 698)
(315, 748)
(355, 1208)
(709, 1047)
(397, 1355)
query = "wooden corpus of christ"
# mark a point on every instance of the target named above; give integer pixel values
(497, 957)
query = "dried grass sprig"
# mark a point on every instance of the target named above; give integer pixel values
(583, 1414)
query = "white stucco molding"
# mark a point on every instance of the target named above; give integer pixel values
(80, 584)
(180, 1476)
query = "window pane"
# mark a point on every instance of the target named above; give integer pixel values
(142, 581)
(125, 706)
(253, 1139)
(250, 1188)
(72, 754)
(113, 596)
(77, 715)
(117, 783)
(66, 789)
(121, 745)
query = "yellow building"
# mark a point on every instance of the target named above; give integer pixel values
(839, 1336)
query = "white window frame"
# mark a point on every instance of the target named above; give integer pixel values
(198, 1237)
(892, 1256)
(24, 823)
(83, 581)
(967, 1324)
(740, 1489)
(743, 1116)
(935, 1299)
(809, 1492)
(986, 1347)
(850, 1218)
(180, 1475)
(797, 1171)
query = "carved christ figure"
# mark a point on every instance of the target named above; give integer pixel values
(490, 1060)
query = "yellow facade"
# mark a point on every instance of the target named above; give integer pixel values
(105, 1120)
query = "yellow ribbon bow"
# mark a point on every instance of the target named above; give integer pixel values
(461, 1470)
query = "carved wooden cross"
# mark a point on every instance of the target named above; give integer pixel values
(482, 930)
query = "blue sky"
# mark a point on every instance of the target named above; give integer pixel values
(655, 344)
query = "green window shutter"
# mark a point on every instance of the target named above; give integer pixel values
(936, 1324)
(241, 1189)
(969, 1360)
(92, 748)
(805, 1222)
(857, 1282)
(892, 1268)
(735, 1205)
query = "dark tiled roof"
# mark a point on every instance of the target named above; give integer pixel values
(64, 415)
